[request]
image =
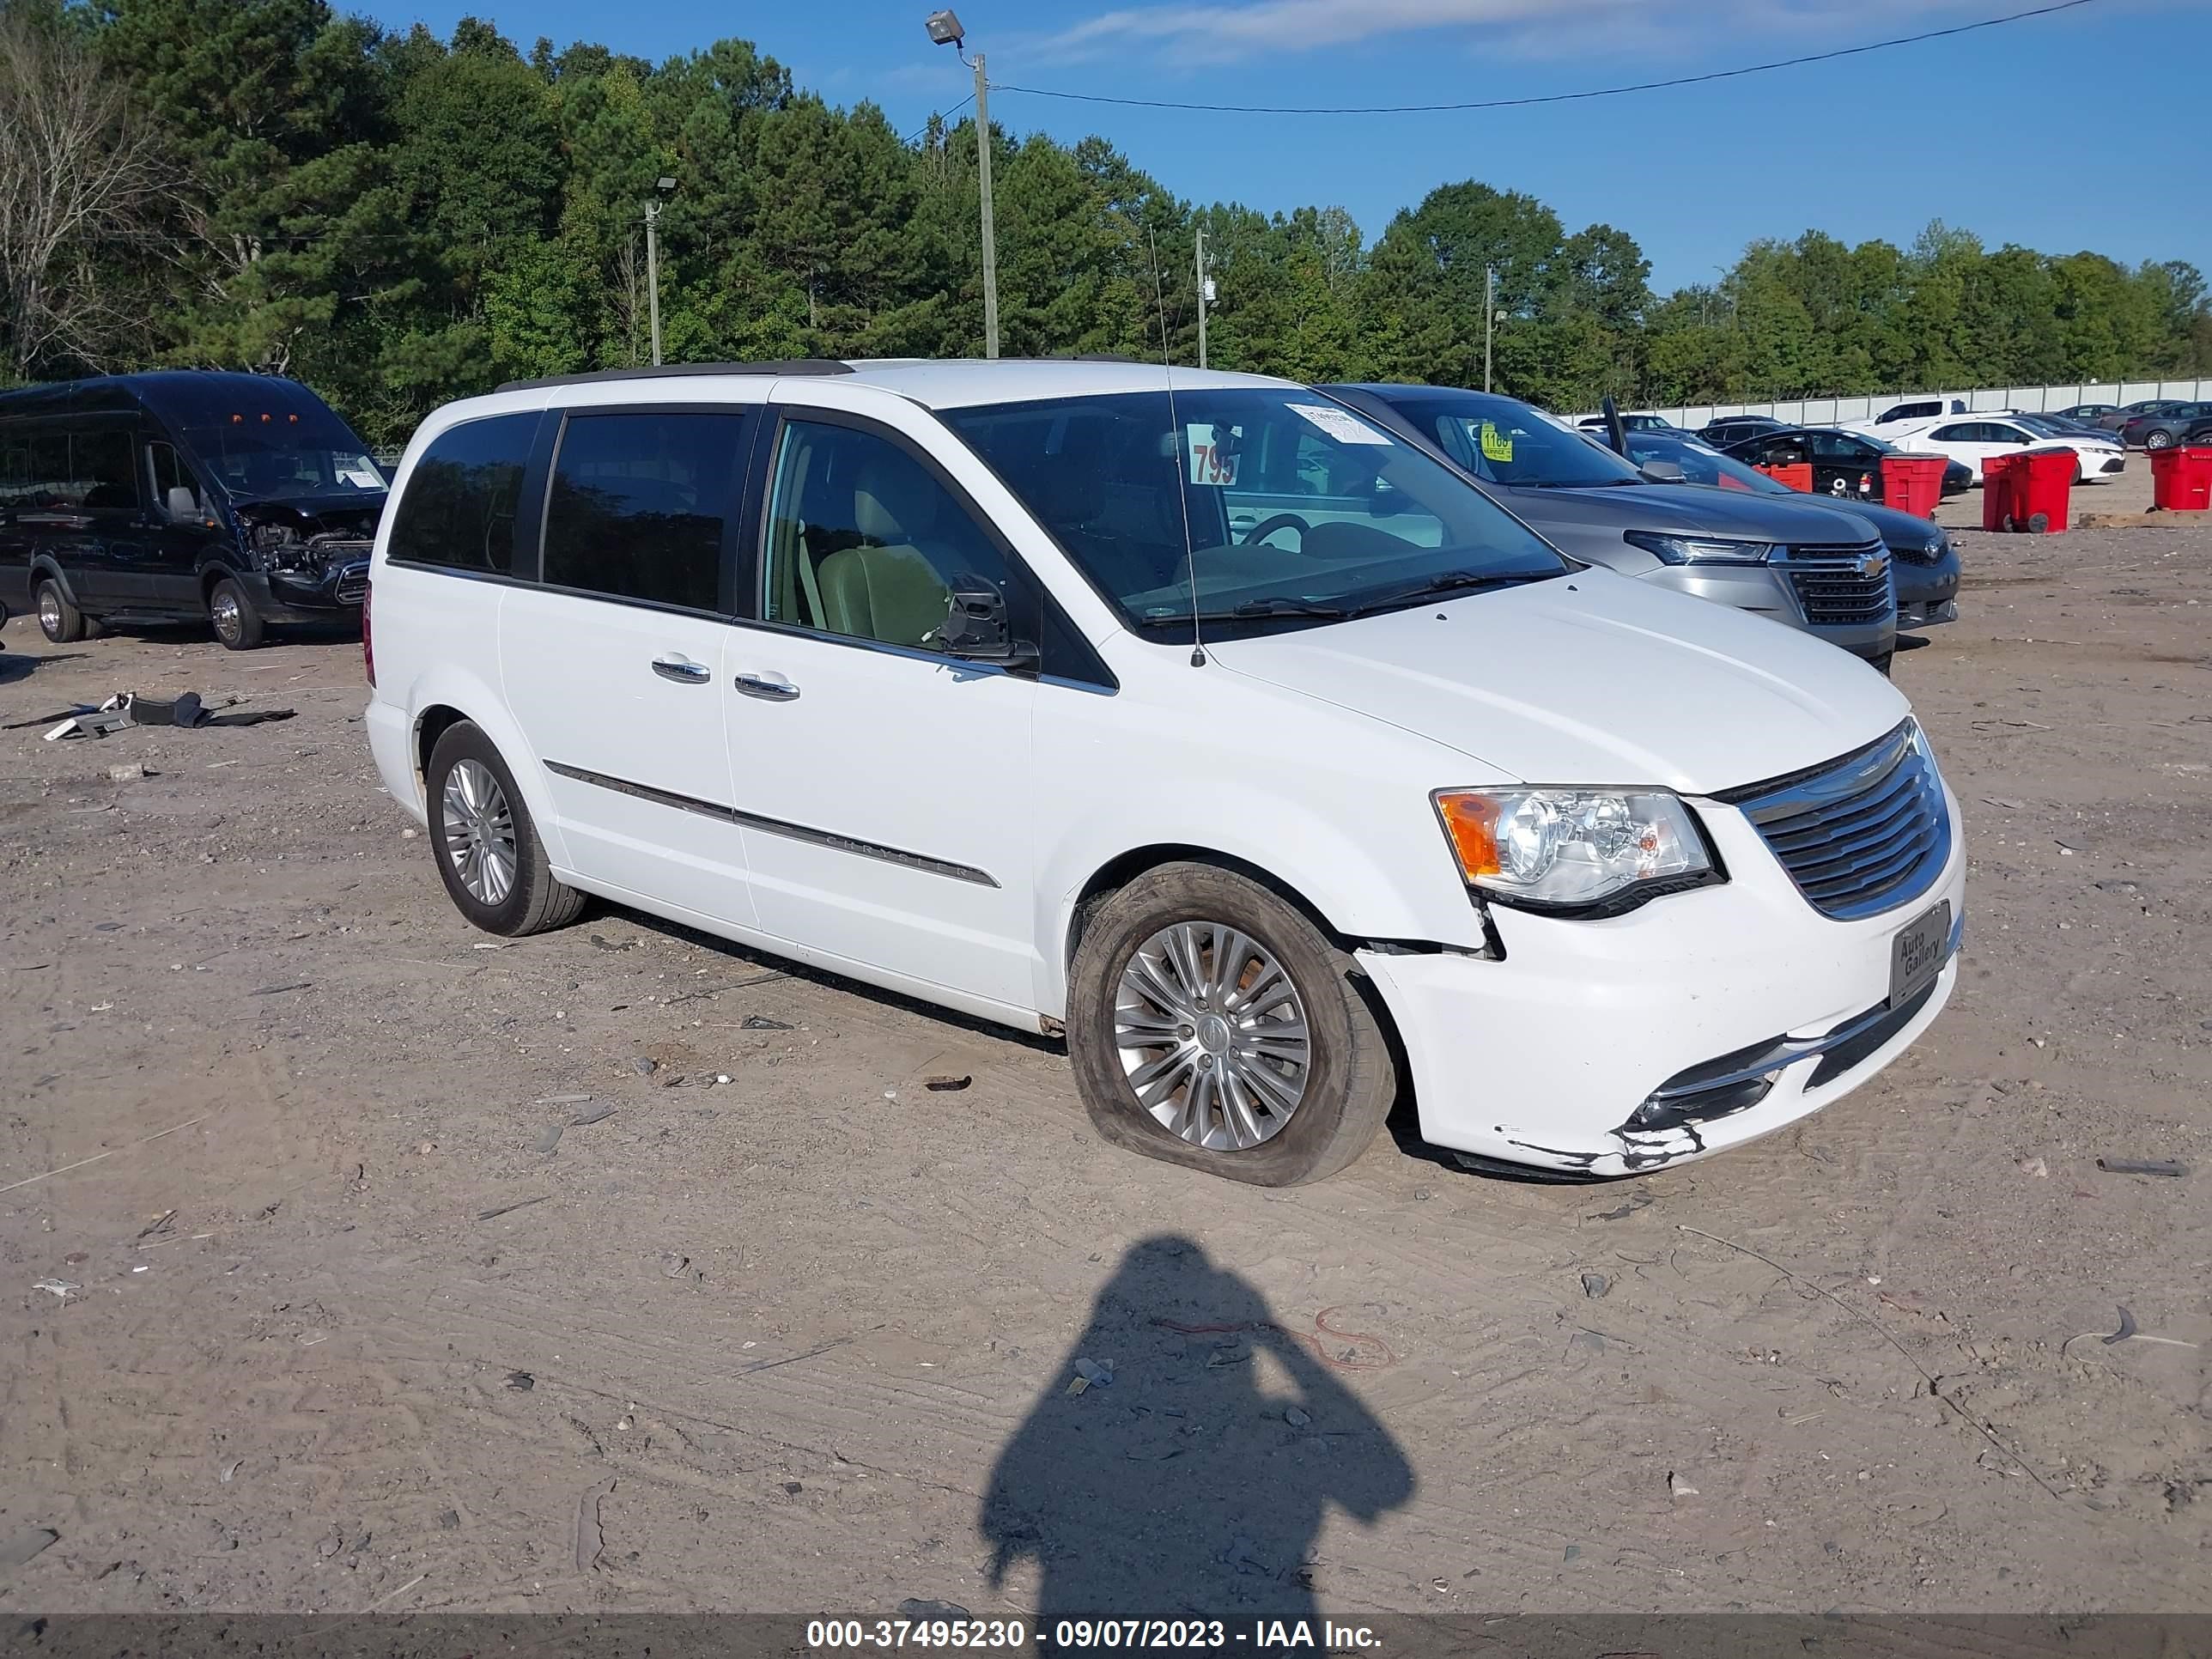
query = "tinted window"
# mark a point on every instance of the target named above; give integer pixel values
(33, 464)
(458, 511)
(864, 542)
(639, 504)
(103, 478)
(1960, 432)
(64, 470)
(1837, 446)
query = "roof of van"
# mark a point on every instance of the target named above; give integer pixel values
(164, 391)
(949, 383)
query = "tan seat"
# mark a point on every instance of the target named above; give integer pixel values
(887, 588)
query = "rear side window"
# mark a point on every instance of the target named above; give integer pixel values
(639, 503)
(458, 511)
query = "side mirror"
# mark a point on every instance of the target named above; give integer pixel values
(975, 629)
(1663, 472)
(182, 503)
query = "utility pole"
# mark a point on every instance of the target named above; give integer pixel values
(1489, 318)
(652, 275)
(944, 30)
(1203, 295)
(663, 187)
(990, 237)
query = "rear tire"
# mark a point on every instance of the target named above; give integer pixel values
(231, 613)
(488, 850)
(62, 622)
(2158, 441)
(1344, 1084)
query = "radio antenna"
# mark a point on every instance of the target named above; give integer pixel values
(1181, 450)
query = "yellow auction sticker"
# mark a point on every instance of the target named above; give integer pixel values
(1496, 447)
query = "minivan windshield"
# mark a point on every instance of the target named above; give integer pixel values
(1502, 442)
(1288, 508)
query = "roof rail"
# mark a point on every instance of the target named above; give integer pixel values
(793, 366)
(1091, 357)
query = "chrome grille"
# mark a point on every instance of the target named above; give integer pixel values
(1840, 586)
(1860, 835)
(353, 584)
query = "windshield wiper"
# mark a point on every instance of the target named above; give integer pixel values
(1451, 581)
(1278, 608)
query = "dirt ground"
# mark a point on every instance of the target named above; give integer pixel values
(305, 1304)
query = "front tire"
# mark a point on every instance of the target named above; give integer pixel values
(231, 613)
(1211, 1025)
(2158, 441)
(62, 622)
(489, 854)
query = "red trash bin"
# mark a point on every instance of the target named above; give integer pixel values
(2042, 484)
(1996, 491)
(2181, 480)
(1798, 476)
(1913, 483)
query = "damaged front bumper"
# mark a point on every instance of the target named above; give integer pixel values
(1698, 1023)
(324, 578)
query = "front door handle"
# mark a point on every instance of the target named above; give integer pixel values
(773, 687)
(682, 669)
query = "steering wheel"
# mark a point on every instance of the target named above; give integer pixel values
(1269, 526)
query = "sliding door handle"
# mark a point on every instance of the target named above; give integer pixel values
(682, 669)
(772, 687)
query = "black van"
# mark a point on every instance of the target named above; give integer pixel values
(239, 498)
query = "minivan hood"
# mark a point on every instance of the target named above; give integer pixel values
(1590, 679)
(1688, 509)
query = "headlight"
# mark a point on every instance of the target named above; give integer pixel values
(1698, 550)
(1597, 852)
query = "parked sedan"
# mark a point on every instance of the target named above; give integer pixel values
(2163, 429)
(2114, 419)
(2085, 414)
(2058, 426)
(1973, 439)
(1924, 558)
(1845, 465)
(1798, 561)
(1735, 429)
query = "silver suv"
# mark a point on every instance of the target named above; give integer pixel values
(1816, 567)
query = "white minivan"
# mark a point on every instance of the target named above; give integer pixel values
(1191, 716)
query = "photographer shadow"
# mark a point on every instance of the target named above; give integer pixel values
(1186, 1487)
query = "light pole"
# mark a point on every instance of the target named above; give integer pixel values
(664, 185)
(945, 31)
(1205, 295)
(1489, 317)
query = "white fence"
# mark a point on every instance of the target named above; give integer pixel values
(2028, 399)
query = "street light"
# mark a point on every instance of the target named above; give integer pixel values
(944, 30)
(666, 187)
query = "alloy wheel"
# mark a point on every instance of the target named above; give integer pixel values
(1212, 1035)
(479, 831)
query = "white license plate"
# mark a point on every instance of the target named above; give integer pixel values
(1918, 953)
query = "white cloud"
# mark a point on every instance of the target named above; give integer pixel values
(1229, 32)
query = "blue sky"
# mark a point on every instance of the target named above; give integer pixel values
(2062, 133)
